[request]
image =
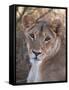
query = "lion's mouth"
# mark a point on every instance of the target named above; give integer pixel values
(36, 58)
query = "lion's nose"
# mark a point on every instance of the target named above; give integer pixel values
(36, 53)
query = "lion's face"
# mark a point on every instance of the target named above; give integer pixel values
(42, 42)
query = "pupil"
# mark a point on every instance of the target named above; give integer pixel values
(47, 38)
(32, 35)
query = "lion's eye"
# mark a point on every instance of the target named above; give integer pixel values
(47, 38)
(32, 35)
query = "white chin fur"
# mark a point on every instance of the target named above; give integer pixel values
(39, 57)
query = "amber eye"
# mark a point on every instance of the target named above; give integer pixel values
(32, 35)
(47, 38)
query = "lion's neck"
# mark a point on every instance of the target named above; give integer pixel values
(34, 74)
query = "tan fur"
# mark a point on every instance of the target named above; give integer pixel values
(48, 48)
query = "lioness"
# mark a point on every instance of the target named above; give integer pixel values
(46, 51)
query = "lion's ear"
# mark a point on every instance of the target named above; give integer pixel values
(58, 27)
(27, 21)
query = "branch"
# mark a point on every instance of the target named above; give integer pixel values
(44, 14)
(22, 14)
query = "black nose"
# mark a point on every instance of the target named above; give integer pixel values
(36, 53)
